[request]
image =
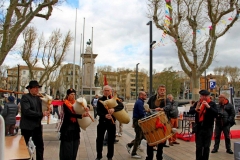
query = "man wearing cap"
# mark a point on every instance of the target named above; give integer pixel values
(9, 114)
(205, 111)
(31, 116)
(224, 121)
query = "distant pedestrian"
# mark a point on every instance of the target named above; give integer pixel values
(55, 108)
(9, 114)
(94, 104)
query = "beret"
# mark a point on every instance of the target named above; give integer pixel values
(204, 92)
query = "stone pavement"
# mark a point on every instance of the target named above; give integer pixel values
(87, 148)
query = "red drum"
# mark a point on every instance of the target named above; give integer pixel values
(156, 128)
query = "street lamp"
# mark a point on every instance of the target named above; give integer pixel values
(150, 58)
(137, 80)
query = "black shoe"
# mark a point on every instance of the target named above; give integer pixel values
(98, 159)
(109, 158)
(116, 140)
(165, 145)
(214, 151)
(229, 151)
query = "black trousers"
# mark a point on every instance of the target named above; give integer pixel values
(68, 150)
(37, 138)
(95, 112)
(226, 131)
(102, 127)
(55, 110)
(203, 142)
(138, 137)
(159, 152)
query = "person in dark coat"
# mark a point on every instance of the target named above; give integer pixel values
(106, 124)
(205, 111)
(31, 116)
(138, 113)
(55, 108)
(224, 121)
(9, 114)
(70, 130)
(158, 102)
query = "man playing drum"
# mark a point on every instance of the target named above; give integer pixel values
(159, 102)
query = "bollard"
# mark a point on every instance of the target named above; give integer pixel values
(2, 137)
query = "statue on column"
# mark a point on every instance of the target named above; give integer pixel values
(96, 81)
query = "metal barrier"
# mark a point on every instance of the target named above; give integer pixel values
(2, 137)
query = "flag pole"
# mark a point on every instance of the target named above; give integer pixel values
(83, 55)
(80, 69)
(91, 68)
(74, 51)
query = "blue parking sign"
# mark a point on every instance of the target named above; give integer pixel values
(212, 84)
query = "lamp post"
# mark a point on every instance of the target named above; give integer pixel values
(137, 80)
(150, 58)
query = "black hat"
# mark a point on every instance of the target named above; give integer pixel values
(33, 84)
(11, 99)
(204, 92)
(69, 91)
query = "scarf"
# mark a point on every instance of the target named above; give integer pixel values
(203, 110)
(69, 104)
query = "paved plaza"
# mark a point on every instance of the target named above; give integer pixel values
(87, 149)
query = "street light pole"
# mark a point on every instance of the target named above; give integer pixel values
(150, 58)
(137, 80)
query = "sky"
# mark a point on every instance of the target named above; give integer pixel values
(121, 36)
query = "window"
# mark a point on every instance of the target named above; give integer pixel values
(24, 72)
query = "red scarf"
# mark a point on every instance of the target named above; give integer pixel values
(69, 104)
(203, 110)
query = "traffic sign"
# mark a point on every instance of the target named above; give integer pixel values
(212, 83)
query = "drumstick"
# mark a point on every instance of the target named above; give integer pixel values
(109, 113)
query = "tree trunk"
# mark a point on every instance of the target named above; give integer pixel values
(195, 83)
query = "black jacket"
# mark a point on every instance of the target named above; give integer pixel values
(31, 112)
(9, 113)
(102, 111)
(209, 115)
(69, 130)
(226, 114)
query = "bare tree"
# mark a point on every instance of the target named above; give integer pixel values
(16, 16)
(182, 19)
(52, 51)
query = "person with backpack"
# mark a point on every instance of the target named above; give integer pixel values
(94, 104)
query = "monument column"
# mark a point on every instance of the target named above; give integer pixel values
(87, 67)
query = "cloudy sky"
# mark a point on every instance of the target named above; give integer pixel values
(121, 36)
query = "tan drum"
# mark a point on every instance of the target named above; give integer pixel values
(156, 128)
